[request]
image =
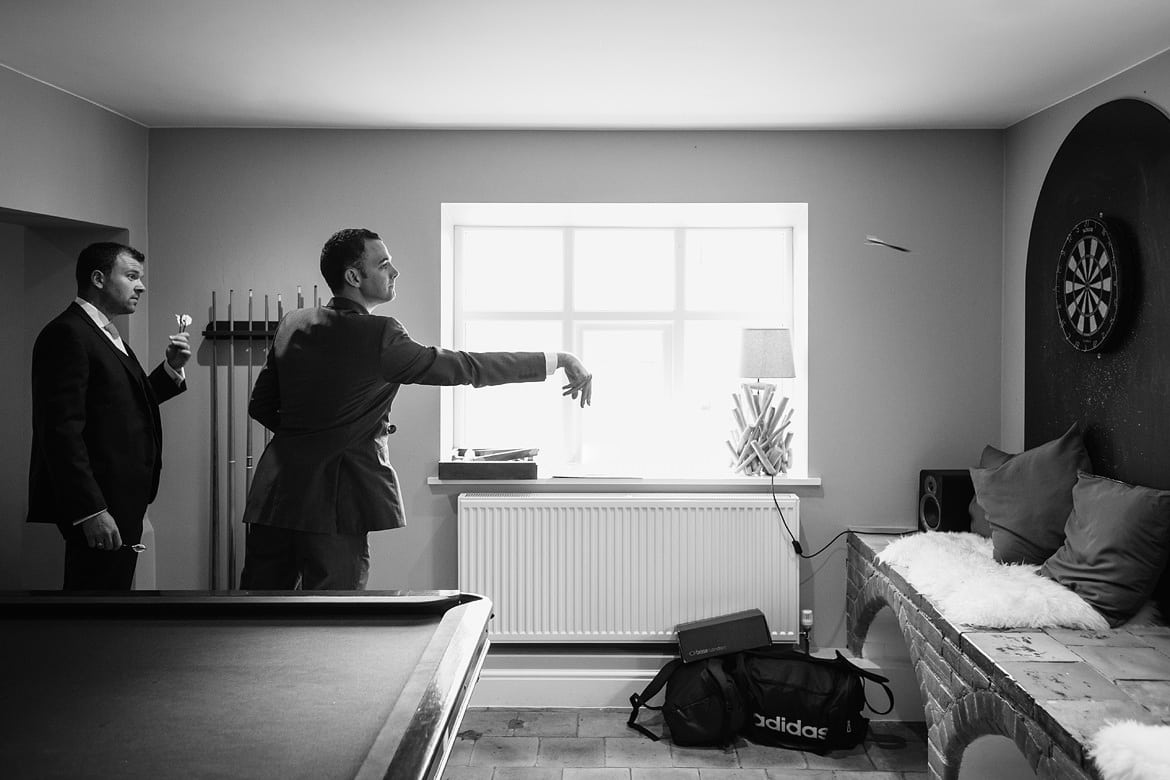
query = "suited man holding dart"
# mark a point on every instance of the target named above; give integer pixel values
(325, 480)
(97, 434)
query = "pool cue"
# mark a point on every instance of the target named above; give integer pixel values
(231, 450)
(267, 346)
(316, 300)
(214, 557)
(300, 298)
(247, 418)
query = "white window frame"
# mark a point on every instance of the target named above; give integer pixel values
(793, 216)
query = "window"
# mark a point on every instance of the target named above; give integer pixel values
(652, 297)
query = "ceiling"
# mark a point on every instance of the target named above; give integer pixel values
(718, 64)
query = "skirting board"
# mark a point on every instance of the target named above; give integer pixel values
(514, 678)
(517, 679)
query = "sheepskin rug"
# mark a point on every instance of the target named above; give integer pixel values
(1128, 750)
(957, 572)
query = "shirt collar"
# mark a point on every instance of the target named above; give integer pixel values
(342, 303)
(94, 313)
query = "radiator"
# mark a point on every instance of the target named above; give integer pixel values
(605, 568)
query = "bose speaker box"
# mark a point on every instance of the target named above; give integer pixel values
(943, 499)
(722, 635)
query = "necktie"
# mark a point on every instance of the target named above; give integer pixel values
(113, 331)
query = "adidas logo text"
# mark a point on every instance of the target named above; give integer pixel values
(794, 727)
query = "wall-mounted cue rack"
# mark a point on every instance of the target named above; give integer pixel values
(239, 336)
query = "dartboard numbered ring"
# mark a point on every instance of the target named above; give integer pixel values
(1087, 285)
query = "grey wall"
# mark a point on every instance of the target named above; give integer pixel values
(1029, 148)
(70, 173)
(63, 157)
(904, 349)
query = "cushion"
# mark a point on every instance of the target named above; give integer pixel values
(990, 457)
(1116, 544)
(1028, 499)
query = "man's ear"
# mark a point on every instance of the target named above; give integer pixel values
(97, 279)
(353, 277)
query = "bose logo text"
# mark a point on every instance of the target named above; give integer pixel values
(705, 650)
(794, 727)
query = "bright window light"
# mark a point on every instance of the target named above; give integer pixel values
(653, 299)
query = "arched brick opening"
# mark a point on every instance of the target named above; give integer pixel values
(867, 603)
(974, 715)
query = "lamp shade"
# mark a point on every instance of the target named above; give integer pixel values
(767, 353)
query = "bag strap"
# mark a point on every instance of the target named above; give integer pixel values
(730, 698)
(638, 700)
(784, 653)
(866, 674)
(889, 698)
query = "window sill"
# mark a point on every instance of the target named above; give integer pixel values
(623, 484)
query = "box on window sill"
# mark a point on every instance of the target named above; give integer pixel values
(487, 469)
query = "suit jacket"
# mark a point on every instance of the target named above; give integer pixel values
(325, 392)
(97, 435)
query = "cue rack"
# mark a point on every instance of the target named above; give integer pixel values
(247, 344)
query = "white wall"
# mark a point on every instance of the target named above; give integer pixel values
(904, 348)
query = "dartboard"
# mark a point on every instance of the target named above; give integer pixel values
(1087, 285)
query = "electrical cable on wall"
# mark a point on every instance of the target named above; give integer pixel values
(796, 547)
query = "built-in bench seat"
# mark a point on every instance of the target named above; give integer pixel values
(1048, 690)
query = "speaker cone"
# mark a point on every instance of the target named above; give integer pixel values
(929, 512)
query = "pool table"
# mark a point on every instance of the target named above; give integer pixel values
(255, 685)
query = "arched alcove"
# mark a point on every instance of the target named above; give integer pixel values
(1115, 163)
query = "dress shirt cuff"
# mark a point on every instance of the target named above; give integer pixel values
(550, 363)
(82, 520)
(179, 376)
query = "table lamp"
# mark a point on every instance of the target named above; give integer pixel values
(762, 441)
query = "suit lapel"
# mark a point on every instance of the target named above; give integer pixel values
(128, 360)
(101, 334)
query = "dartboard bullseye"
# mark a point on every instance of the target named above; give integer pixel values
(1087, 285)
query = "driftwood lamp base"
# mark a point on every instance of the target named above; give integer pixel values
(761, 444)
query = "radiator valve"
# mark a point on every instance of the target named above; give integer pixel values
(806, 624)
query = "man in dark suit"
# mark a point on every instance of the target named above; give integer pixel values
(325, 479)
(97, 435)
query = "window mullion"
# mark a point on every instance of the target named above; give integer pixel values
(680, 296)
(458, 397)
(570, 422)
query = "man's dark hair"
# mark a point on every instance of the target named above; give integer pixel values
(343, 249)
(100, 257)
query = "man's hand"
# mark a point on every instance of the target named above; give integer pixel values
(179, 350)
(101, 532)
(580, 380)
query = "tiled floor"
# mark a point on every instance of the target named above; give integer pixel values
(570, 744)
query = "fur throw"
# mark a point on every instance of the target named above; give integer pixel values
(1128, 750)
(957, 572)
